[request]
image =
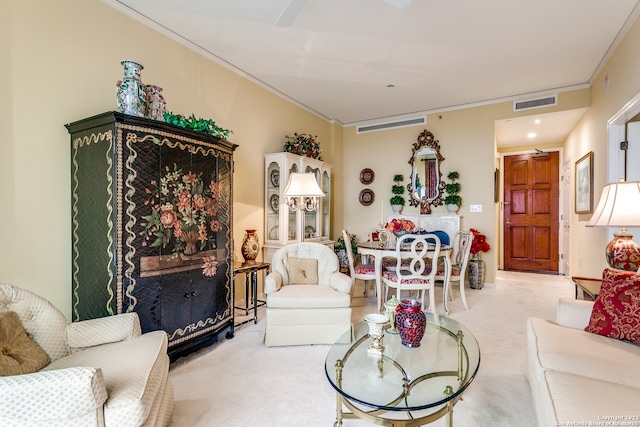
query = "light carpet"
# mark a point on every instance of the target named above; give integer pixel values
(240, 382)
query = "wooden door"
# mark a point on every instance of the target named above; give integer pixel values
(531, 193)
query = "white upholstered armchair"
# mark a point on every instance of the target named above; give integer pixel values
(308, 299)
(99, 372)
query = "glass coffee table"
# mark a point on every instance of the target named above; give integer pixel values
(403, 386)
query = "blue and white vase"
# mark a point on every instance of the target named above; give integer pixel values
(131, 93)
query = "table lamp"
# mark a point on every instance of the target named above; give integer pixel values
(619, 206)
(302, 192)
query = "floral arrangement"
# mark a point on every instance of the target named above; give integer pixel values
(479, 242)
(399, 225)
(303, 144)
(199, 125)
(183, 212)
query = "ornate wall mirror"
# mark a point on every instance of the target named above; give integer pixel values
(426, 186)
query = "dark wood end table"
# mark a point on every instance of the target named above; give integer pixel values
(589, 288)
(250, 271)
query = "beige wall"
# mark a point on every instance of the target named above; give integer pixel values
(623, 71)
(62, 60)
(467, 145)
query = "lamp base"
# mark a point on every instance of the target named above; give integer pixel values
(623, 253)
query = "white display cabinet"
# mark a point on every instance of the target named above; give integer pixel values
(282, 226)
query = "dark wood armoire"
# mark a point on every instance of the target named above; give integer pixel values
(152, 227)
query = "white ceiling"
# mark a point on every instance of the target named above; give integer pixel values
(338, 58)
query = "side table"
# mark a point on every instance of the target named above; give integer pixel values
(250, 271)
(590, 288)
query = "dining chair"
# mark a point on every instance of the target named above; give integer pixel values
(416, 266)
(359, 271)
(462, 248)
(380, 234)
(384, 237)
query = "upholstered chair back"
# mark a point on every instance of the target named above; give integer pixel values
(327, 260)
(41, 320)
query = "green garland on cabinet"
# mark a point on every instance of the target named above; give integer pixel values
(206, 126)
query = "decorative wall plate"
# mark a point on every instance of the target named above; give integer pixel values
(366, 197)
(275, 202)
(275, 178)
(367, 176)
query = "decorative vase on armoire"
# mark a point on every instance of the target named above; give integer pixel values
(131, 93)
(250, 246)
(152, 209)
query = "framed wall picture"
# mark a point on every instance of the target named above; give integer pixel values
(584, 184)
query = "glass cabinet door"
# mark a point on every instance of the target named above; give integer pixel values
(291, 218)
(312, 220)
(326, 203)
(272, 195)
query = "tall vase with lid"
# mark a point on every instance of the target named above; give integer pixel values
(411, 322)
(131, 93)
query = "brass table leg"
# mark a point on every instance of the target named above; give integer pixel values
(448, 392)
(338, 422)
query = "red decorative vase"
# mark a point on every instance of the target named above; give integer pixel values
(622, 252)
(250, 246)
(410, 322)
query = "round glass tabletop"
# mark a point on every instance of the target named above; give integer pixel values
(402, 378)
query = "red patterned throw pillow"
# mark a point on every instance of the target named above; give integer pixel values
(616, 312)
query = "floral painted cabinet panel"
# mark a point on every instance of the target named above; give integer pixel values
(152, 227)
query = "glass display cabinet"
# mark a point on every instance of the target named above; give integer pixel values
(282, 225)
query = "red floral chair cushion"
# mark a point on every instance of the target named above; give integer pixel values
(364, 269)
(455, 270)
(391, 275)
(616, 312)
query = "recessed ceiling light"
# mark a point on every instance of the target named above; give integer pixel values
(531, 135)
(536, 121)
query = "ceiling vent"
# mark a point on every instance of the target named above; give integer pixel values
(530, 104)
(391, 125)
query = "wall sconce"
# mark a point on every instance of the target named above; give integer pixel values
(302, 192)
(619, 206)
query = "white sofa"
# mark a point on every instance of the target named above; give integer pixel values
(580, 377)
(101, 372)
(317, 311)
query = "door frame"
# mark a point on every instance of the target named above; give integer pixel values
(500, 210)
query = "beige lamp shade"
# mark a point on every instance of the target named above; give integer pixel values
(619, 206)
(302, 192)
(302, 185)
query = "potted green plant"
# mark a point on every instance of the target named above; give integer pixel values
(397, 201)
(452, 200)
(303, 144)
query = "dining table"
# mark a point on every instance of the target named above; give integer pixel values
(379, 250)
